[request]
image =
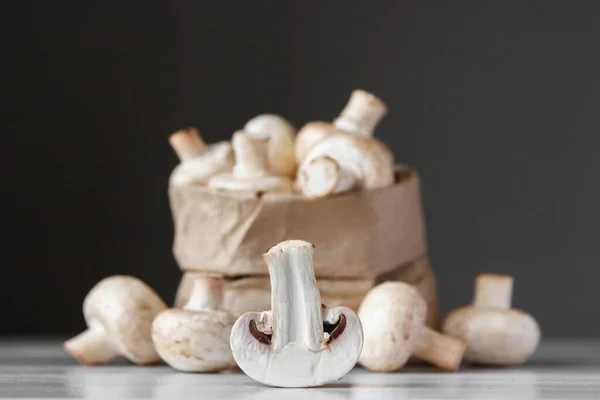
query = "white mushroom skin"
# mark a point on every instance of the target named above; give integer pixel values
(311, 134)
(277, 135)
(362, 114)
(250, 173)
(199, 162)
(196, 338)
(118, 311)
(393, 316)
(299, 352)
(340, 163)
(495, 334)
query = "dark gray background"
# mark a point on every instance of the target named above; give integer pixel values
(495, 102)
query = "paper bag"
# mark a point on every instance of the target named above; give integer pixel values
(357, 235)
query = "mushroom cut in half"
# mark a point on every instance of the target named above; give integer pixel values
(495, 333)
(300, 342)
(118, 311)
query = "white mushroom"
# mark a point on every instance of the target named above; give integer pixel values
(199, 162)
(393, 317)
(311, 134)
(196, 338)
(361, 114)
(118, 311)
(495, 334)
(341, 163)
(249, 173)
(299, 343)
(276, 137)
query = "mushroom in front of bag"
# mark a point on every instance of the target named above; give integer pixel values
(250, 173)
(300, 342)
(196, 338)
(274, 137)
(199, 161)
(362, 114)
(118, 311)
(341, 163)
(393, 318)
(495, 333)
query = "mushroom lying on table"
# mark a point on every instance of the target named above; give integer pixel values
(495, 334)
(393, 317)
(199, 162)
(196, 338)
(249, 173)
(118, 311)
(300, 342)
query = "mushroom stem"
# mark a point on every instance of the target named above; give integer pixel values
(323, 176)
(444, 351)
(91, 346)
(206, 294)
(295, 299)
(187, 143)
(248, 162)
(493, 291)
(361, 114)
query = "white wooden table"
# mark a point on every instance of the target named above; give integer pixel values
(40, 369)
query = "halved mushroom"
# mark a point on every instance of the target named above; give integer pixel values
(495, 334)
(199, 162)
(300, 342)
(196, 338)
(118, 311)
(250, 173)
(275, 137)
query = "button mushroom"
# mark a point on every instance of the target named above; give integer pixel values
(495, 333)
(360, 117)
(198, 161)
(118, 311)
(300, 342)
(361, 114)
(393, 317)
(276, 137)
(196, 338)
(250, 172)
(341, 163)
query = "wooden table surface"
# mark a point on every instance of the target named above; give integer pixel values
(40, 369)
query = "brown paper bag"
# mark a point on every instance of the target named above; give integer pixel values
(357, 235)
(254, 293)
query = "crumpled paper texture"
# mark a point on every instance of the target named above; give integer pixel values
(357, 235)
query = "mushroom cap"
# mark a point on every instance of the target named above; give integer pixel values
(494, 336)
(311, 134)
(265, 183)
(294, 365)
(194, 341)
(125, 307)
(368, 159)
(263, 126)
(392, 314)
(217, 159)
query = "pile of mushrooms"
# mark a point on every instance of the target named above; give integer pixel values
(299, 342)
(268, 155)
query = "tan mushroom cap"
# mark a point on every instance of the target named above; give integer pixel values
(121, 309)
